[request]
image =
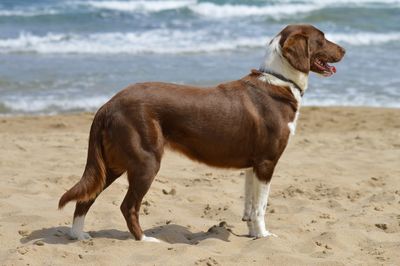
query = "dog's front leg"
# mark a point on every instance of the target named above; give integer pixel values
(260, 193)
(260, 199)
(248, 200)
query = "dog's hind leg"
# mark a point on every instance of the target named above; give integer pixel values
(81, 208)
(140, 178)
(143, 148)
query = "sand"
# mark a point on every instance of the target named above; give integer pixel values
(335, 199)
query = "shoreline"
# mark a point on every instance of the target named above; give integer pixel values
(334, 198)
(80, 112)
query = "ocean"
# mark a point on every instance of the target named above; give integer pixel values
(60, 56)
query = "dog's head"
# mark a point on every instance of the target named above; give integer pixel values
(306, 49)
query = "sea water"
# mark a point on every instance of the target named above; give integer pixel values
(70, 56)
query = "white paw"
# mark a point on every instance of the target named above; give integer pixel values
(263, 233)
(149, 239)
(79, 235)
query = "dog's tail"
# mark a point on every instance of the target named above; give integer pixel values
(94, 176)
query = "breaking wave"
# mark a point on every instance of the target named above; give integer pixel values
(50, 104)
(155, 41)
(161, 42)
(206, 9)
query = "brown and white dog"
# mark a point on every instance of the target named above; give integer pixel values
(242, 124)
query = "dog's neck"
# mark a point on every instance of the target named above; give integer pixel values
(275, 62)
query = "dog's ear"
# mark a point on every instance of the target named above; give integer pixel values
(296, 50)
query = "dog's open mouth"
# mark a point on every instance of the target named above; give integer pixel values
(326, 69)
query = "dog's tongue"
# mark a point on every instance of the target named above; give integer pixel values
(329, 70)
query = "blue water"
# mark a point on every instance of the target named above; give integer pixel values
(66, 56)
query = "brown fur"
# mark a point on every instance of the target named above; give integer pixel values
(295, 50)
(238, 124)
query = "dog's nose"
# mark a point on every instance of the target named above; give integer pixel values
(342, 50)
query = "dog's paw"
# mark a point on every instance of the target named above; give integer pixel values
(79, 235)
(250, 226)
(149, 239)
(263, 234)
(246, 218)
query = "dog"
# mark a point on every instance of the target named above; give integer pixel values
(243, 124)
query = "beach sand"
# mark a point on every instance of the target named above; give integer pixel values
(335, 199)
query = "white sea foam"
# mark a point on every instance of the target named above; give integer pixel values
(341, 2)
(227, 10)
(27, 13)
(206, 9)
(155, 41)
(51, 104)
(343, 100)
(150, 6)
(212, 10)
(161, 41)
(364, 38)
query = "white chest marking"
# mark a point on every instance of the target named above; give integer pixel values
(278, 82)
(276, 62)
(292, 125)
(297, 95)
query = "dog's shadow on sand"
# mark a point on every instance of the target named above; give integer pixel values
(170, 233)
(173, 233)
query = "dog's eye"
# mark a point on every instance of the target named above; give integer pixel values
(320, 42)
